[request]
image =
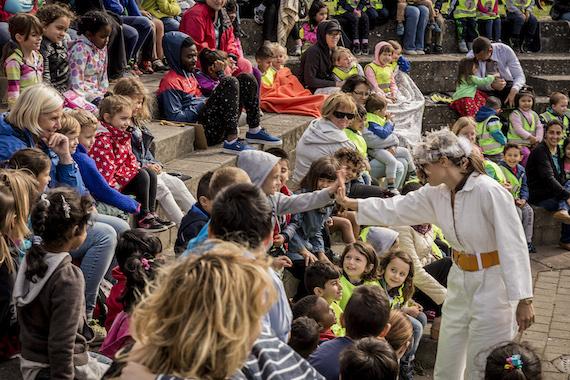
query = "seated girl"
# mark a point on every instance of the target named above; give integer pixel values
(380, 72)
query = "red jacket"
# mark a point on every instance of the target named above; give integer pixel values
(197, 22)
(114, 306)
(114, 157)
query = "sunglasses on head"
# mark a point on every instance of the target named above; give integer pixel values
(342, 115)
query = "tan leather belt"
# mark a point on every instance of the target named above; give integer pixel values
(475, 262)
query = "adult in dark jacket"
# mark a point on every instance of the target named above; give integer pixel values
(316, 62)
(546, 179)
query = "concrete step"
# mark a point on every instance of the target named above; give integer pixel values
(546, 229)
(437, 73)
(171, 142)
(546, 84)
(553, 36)
(438, 115)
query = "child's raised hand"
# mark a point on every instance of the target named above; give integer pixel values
(281, 262)
(219, 65)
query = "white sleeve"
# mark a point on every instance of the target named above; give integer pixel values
(511, 242)
(414, 208)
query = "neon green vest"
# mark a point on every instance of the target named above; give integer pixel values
(343, 75)
(514, 181)
(465, 8)
(494, 171)
(358, 140)
(383, 75)
(377, 4)
(331, 5)
(522, 4)
(512, 137)
(488, 144)
(268, 77)
(398, 301)
(340, 10)
(489, 4)
(549, 116)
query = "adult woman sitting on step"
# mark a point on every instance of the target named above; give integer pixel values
(316, 62)
(491, 271)
(546, 179)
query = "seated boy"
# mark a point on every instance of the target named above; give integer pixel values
(323, 280)
(304, 337)
(317, 308)
(489, 135)
(366, 315)
(557, 110)
(197, 217)
(369, 359)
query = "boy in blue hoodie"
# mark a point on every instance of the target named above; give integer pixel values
(489, 135)
(516, 175)
(180, 99)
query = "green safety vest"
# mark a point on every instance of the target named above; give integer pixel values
(340, 10)
(489, 4)
(549, 116)
(522, 4)
(488, 144)
(343, 75)
(383, 75)
(331, 5)
(494, 171)
(513, 180)
(357, 140)
(376, 4)
(396, 302)
(512, 137)
(465, 8)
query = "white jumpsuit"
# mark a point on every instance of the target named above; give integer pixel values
(479, 311)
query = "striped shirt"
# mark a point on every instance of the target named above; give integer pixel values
(22, 75)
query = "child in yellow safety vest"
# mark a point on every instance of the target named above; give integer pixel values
(264, 57)
(354, 134)
(355, 23)
(490, 138)
(489, 20)
(557, 110)
(345, 64)
(516, 175)
(465, 15)
(525, 128)
(380, 73)
(520, 17)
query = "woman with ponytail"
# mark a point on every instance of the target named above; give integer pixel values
(17, 192)
(49, 292)
(489, 284)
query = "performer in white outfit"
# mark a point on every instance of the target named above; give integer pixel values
(490, 284)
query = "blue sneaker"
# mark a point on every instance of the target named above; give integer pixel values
(400, 29)
(262, 137)
(236, 147)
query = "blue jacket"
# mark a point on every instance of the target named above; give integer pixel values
(190, 226)
(13, 139)
(179, 95)
(325, 359)
(122, 7)
(404, 64)
(98, 187)
(309, 230)
(141, 141)
(521, 176)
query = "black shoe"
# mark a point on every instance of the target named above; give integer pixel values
(356, 49)
(437, 49)
(150, 224)
(365, 49)
(428, 49)
(531, 248)
(165, 222)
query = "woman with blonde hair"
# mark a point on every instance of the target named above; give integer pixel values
(17, 194)
(34, 122)
(201, 316)
(489, 285)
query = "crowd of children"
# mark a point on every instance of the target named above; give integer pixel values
(256, 289)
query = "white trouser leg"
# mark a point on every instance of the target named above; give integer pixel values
(179, 191)
(166, 200)
(476, 316)
(452, 344)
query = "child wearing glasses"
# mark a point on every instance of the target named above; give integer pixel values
(383, 143)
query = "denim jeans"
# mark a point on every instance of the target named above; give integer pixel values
(553, 205)
(518, 21)
(407, 361)
(171, 24)
(490, 29)
(416, 19)
(378, 170)
(4, 33)
(96, 254)
(565, 16)
(136, 30)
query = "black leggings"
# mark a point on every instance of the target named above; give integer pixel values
(439, 270)
(143, 187)
(116, 50)
(356, 28)
(220, 114)
(271, 19)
